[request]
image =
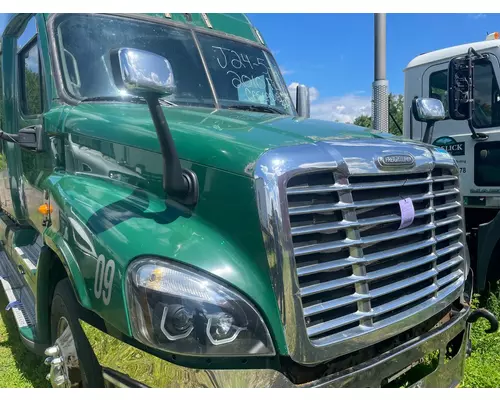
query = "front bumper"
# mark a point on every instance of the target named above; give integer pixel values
(126, 366)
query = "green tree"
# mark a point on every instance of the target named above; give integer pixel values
(363, 120)
(396, 108)
(33, 98)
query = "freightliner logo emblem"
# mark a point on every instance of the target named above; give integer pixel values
(397, 160)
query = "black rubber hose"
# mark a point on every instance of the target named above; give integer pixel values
(481, 312)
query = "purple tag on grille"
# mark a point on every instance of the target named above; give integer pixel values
(407, 212)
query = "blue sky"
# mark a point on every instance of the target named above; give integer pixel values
(333, 53)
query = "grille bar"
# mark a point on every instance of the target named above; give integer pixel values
(321, 208)
(356, 332)
(448, 235)
(449, 278)
(339, 187)
(328, 266)
(450, 263)
(339, 264)
(333, 304)
(378, 185)
(330, 246)
(356, 269)
(450, 220)
(449, 249)
(401, 267)
(330, 285)
(449, 206)
(339, 322)
(399, 250)
(334, 226)
(405, 300)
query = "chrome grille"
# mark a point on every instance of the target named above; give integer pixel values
(356, 271)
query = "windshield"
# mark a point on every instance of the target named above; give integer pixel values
(244, 76)
(243, 73)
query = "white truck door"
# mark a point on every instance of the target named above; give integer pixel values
(455, 136)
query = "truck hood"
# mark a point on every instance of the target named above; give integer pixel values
(224, 139)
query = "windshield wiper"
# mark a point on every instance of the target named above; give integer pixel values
(256, 107)
(167, 102)
(131, 99)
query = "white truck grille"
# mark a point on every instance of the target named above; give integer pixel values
(357, 272)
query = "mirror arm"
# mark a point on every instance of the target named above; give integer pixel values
(181, 185)
(9, 137)
(471, 55)
(429, 130)
(476, 135)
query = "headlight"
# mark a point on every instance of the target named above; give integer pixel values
(175, 309)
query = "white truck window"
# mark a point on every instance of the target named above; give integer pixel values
(438, 85)
(486, 94)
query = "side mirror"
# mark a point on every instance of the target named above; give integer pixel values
(460, 84)
(461, 89)
(430, 111)
(141, 72)
(29, 137)
(150, 76)
(425, 109)
(303, 103)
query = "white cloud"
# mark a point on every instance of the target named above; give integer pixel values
(477, 16)
(339, 108)
(285, 71)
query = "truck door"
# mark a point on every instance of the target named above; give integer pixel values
(24, 105)
(455, 136)
(35, 166)
(10, 169)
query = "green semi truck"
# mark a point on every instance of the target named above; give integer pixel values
(169, 219)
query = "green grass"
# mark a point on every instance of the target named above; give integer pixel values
(3, 163)
(482, 368)
(21, 369)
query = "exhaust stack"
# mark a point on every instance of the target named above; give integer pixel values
(380, 88)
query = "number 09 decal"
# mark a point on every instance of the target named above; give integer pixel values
(104, 274)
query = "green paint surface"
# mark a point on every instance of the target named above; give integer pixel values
(101, 169)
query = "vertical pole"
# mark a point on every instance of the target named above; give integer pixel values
(380, 93)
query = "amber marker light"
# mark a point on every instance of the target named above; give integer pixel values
(45, 209)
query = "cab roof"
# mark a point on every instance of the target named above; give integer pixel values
(230, 23)
(449, 52)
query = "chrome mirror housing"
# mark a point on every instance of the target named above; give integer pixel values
(427, 109)
(140, 72)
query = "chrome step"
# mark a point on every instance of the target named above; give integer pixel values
(19, 296)
(30, 254)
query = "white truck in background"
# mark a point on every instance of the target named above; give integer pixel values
(470, 132)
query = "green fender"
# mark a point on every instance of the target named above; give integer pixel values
(98, 222)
